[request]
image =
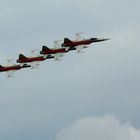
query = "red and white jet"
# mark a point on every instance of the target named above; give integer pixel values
(34, 61)
(57, 51)
(80, 42)
(11, 69)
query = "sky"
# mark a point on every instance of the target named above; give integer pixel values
(93, 95)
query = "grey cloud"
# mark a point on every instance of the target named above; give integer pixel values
(98, 128)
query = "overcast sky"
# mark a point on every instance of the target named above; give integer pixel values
(75, 98)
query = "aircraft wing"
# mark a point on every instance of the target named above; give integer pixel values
(67, 48)
(34, 64)
(57, 44)
(79, 36)
(10, 73)
(34, 52)
(10, 62)
(57, 56)
(80, 48)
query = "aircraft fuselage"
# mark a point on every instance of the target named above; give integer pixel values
(16, 67)
(54, 51)
(26, 60)
(82, 42)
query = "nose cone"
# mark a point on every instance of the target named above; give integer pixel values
(99, 40)
(105, 39)
(26, 66)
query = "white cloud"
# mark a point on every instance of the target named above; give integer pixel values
(99, 128)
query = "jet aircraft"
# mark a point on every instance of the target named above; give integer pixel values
(80, 42)
(34, 61)
(57, 52)
(11, 69)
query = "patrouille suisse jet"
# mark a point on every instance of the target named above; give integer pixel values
(57, 52)
(80, 43)
(34, 61)
(11, 69)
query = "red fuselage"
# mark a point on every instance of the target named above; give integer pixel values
(54, 51)
(72, 44)
(10, 68)
(26, 60)
(77, 43)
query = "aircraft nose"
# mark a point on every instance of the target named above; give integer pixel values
(105, 39)
(99, 40)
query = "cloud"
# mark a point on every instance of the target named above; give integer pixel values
(99, 128)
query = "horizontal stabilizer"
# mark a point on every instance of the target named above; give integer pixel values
(57, 56)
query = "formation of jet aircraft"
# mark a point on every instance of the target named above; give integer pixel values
(50, 53)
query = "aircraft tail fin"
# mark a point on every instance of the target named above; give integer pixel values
(67, 40)
(45, 48)
(21, 56)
